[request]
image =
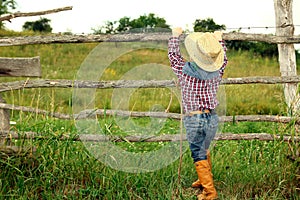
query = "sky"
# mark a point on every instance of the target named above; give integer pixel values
(90, 14)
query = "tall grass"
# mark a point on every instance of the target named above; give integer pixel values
(62, 61)
(67, 170)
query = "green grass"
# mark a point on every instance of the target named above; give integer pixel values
(67, 170)
(62, 61)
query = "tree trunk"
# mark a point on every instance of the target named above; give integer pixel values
(287, 56)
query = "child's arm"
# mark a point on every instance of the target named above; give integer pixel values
(174, 55)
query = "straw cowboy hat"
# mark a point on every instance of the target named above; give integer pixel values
(205, 50)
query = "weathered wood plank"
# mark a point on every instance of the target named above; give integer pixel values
(178, 137)
(62, 83)
(149, 138)
(4, 116)
(101, 112)
(29, 67)
(29, 14)
(287, 55)
(130, 37)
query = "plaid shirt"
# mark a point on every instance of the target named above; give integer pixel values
(196, 94)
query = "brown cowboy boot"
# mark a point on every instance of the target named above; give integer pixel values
(206, 180)
(197, 183)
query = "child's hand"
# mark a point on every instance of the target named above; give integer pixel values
(218, 35)
(176, 32)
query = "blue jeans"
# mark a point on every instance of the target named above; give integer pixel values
(200, 131)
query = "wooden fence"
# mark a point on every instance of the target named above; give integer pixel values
(284, 38)
(62, 83)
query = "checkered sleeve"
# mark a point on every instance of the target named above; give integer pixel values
(222, 69)
(174, 55)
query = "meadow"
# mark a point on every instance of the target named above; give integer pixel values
(66, 169)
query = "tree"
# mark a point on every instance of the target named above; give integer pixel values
(143, 23)
(41, 25)
(124, 24)
(149, 21)
(207, 25)
(257, 48)
(5, 7)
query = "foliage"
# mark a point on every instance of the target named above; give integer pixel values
(259, 48)
(207, 25)
(144, 23)
(41, 25)
(124, 25)
(150, 21)
(5, 7)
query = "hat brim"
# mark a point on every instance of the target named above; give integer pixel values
(207, 64)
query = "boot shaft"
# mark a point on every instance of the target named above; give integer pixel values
(206, 179)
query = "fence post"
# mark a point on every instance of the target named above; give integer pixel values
(4, 117)
(13, 67)
(287, 56)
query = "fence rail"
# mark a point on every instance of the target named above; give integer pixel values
(131, 37)
(63, 83)
(146, 138)
(14, 67)
(101, 112)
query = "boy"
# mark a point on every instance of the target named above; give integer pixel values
(199, 80)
